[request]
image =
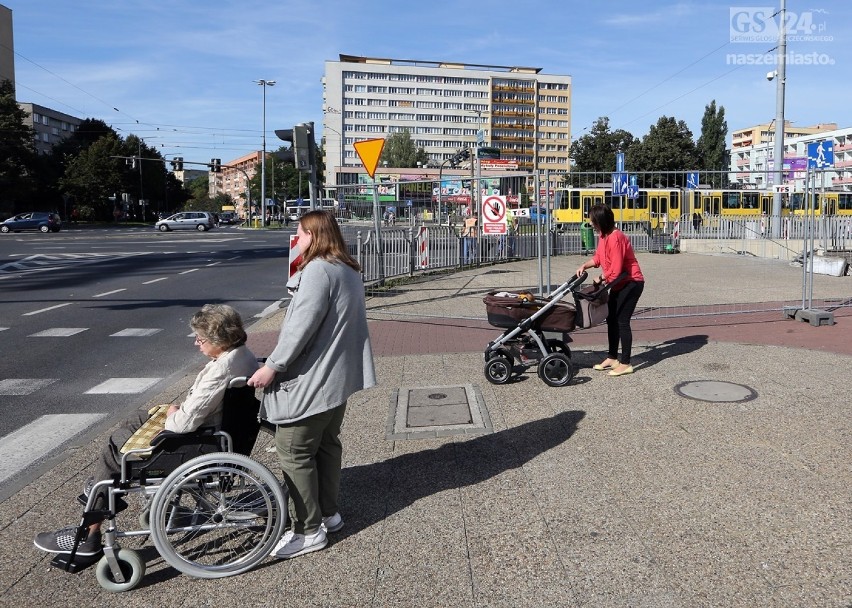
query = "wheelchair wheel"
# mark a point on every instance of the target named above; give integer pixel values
(218, 515)
(132, 569)
(556, 369)
(498, 370)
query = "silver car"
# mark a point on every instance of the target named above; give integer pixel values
(187, 220)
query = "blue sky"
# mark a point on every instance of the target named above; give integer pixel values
(180, 72)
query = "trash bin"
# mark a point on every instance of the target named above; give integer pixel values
(587, 236)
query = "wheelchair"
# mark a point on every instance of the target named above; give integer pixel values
(210, 510)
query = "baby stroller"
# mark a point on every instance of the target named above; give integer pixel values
(526, 317)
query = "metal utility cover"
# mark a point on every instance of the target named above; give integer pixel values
(715, 391)
(436, 411)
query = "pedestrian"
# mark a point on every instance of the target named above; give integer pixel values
(696, 222)
(620, 269)
(219, 335)
(469, 234)
(323, 356)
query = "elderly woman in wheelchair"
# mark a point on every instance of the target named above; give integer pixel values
(210, 510)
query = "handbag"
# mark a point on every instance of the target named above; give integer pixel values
(142, 437)
(592, 305)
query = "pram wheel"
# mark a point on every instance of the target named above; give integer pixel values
(498, 370)
(558, 346)
(132, 569)
(556, 369)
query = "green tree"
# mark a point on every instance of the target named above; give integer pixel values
(595, 153)
(710, 147)
(668, 147)
(400, 152)
(17, 152)
(95, 175)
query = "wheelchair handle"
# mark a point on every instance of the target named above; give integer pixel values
(238, 382)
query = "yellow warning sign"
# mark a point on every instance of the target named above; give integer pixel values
(369, 151)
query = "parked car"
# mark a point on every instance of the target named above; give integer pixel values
(35, 220)
(228, 217)
(187, 220)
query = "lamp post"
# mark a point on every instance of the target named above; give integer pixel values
(781, 75)
(264, 84)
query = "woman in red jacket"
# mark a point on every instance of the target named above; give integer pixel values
(620, 269)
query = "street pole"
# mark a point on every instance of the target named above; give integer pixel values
(263, 83)
(781, 75)
(141, 193)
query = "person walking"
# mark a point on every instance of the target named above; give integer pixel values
(620, 269)
(469, 234)
(323, 356)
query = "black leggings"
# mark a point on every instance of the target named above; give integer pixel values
(622, 303)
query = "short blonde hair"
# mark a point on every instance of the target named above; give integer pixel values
(220, 324)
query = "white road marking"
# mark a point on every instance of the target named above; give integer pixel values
(18, 387)
(109, 293)
(188, 271)
(35, 312)
(155, 280)
(58, 332)
(40, 438)
(3, 328)
(214, 263)
(135, 332)
(123, 386)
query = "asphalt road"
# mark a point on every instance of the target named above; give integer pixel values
(96, 321)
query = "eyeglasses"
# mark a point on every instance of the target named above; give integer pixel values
(199, 341)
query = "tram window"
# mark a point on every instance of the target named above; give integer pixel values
(674, 200)
(655, 205)
(750, 200)
(731, 201)
(575, 200)
(796, 201)
(714, 210)
(844, 202)
(614, 202)
(705, 204)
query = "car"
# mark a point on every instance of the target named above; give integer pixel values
(187, 220)
(228, 217)
(34, 220)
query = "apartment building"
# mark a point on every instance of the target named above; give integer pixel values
(446, 107)
(753, 166)
(765, 133)
(7, 46)
(49, 126)
(234, 178)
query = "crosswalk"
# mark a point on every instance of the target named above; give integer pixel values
(41, 437)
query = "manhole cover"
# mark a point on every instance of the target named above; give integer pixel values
(715, 391)
(437, 411)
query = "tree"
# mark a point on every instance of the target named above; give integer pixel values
(94, 175)
(595, 152)
(17, 152)
(668, 147)
(400, 152)
(710, 147)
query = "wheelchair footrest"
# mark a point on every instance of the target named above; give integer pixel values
(81, 562)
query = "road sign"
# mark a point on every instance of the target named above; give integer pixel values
(480, 137)
(499, 163)
(633, 188)
(369, 152)
(409, 203)
(619, 162)
(494, 215)
(619, 184)
(820, 154)
(692, 180)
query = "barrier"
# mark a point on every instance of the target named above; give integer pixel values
(295, 255)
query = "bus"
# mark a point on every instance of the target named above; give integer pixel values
(294, 209)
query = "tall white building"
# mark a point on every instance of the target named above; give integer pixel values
(753, 166)
(446, 107)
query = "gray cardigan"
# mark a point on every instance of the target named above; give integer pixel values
(323, 353)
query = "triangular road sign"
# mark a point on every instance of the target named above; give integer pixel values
(369, 151)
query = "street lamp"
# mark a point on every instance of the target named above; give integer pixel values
(264, 84)
(780, 74)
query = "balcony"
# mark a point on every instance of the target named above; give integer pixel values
(841, 180)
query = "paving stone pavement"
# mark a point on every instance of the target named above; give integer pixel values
(606, 492)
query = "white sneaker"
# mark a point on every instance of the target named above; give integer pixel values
(299, 544)
(332, 523)
(288, 536)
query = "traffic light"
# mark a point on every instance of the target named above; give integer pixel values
(302, 135)
(215, 165)
(286, 156)
(179, 163)
(303, 151)
(459, 156)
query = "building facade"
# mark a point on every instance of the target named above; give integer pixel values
(7, 46)
(446, 107)
(754, 166)
(765, 133)
(49, 126)
(234, 179)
